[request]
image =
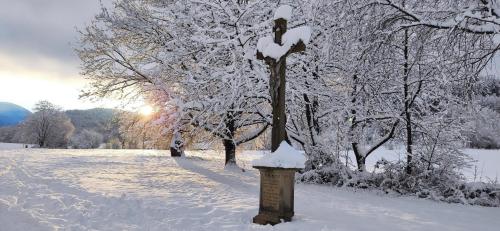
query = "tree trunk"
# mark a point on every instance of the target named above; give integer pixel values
(230, 149)
(409, 144)
(407, 112)
(229, 144)
(312, 122)
(360, 158)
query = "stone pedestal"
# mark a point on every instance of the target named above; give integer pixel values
(174, 152)
(276, 195)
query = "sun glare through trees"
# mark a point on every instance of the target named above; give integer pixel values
(146, 110)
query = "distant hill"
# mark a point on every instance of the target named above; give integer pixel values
(100, 120)
(12, 114)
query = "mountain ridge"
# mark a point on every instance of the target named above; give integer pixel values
(12, 114)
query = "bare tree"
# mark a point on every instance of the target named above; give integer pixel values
(48, 126)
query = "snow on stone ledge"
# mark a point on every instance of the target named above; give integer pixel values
(292, 37)
(284, 12)
(284, 157)
(274, 50)
(264, 42)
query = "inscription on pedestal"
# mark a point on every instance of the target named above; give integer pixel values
(270, 191)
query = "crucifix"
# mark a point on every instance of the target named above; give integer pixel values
(274, 52)
(277, 175)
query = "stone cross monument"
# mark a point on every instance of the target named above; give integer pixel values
(274, 52)
(277, 170)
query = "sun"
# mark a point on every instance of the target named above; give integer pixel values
(146, 110)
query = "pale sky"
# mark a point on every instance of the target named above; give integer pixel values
(37, 59)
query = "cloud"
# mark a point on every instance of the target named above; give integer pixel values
(37, 60)
(47, 28)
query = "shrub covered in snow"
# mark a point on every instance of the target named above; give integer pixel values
(486, 130)
(481, 194)
(323, 167)
(436, 183)
(87, 139)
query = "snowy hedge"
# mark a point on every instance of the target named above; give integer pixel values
(438, 184)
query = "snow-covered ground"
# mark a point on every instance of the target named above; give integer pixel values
(485, 168)
(147, 190)
(4, 146)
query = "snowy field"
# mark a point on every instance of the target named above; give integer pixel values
(4, 146)
(147, 190)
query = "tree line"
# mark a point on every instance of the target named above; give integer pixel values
(49, 126)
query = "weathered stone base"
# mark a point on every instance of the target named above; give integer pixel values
(276, 195)
(265, 218)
